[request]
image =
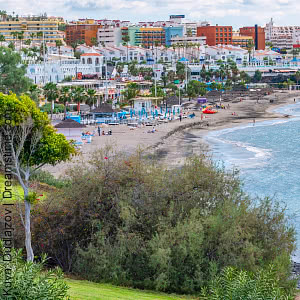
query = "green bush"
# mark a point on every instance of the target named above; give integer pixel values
(26, 280)
(135, 222)
(235, 285)
(58, 108)
(48, 178)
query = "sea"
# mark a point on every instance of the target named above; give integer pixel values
(267, 154)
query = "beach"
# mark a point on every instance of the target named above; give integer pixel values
(173, 141)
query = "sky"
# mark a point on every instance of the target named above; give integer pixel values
(237, 13)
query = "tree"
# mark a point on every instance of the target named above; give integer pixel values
(75, 44)
(2, 39)
(131, 91)
(180, 70)
(78, 96)
(12, 72)
(34, 93)
(249, 47)
(31, 142)
(297, 76)
(64, 98)
(257, 76)
(126, 40)
(20, 37)
(245, 77)
(94, 41)
(91, 97)
(51, 93)
(28, 42)
(58, 45)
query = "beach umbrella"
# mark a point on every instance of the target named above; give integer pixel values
(156, 113)
(146, 115)
(169, 112)
(173, 111)
(165, 113)
(131, 113)
(161, 110)
(178, 110)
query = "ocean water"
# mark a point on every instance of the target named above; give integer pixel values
(268, 157)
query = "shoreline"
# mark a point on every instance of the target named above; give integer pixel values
(191, 140)
(173, 141)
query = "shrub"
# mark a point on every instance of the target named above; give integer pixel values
(47, 177)
(235, 285)
(132, 221)
(27, 280)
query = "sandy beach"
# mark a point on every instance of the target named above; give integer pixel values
(174, 141)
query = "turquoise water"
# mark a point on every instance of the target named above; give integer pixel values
(268, 157)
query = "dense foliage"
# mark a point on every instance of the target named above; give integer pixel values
(131, 221)
(29, 280)
(51, 148)
(235, 285)
(12, 72)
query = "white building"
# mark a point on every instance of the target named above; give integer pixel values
(282, 36)
(56, 71)
(226, 52)
(109, 36)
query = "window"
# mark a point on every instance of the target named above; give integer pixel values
(221, 29)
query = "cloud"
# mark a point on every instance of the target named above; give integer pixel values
(227, 12)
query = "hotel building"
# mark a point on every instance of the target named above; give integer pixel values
(30, 29)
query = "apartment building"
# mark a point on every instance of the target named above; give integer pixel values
(109, 36)
(30, 29)
(81, 32)
(258, 35)
(216, 34)
(282, 37)
(150, 37)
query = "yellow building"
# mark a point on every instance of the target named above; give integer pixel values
(241, 40)
(30, 29)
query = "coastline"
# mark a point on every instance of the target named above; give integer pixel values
(191, 140)
(174, 141)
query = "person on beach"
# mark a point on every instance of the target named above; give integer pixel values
(253, 122)
(99, 130)
(180, 117)
(294, 100)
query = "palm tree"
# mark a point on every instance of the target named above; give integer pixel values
(51, 93)
(78, 96)
(64, 98)
(58, 45)
(34, 93)
(250, 46)
(91, 97)
(15, 35)
(297, 76)
(27, 42)
(126, 39)
(3, 15)
(20, 38)
(2, 39)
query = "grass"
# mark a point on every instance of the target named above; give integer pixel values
(86, 290)
(17, 191)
